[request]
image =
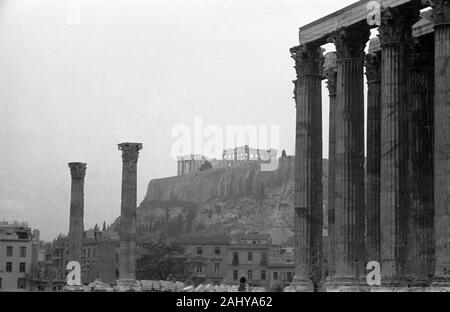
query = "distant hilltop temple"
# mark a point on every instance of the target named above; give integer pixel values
(192, 163)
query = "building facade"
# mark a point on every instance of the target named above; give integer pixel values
(208, 256)
(16, 242)
(248, 257)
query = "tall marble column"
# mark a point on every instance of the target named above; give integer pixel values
(127, 254)
(330, 73)
(420, 163)
(441, 15)
(373, 73)
(308, 200)
(395, 37)
(349, 212)
(76, 227)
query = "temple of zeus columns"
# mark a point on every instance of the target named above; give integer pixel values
(76, 226)
(127, 227)
(391, 204)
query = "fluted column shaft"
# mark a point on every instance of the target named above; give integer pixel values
(330, 72)
(441, 14)
(395, 36)
(76, 227)
(420, 164)
(308, 166)
(349, 212)
(127, 233)
(373, 73)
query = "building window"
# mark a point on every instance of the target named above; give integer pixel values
(235, 275)
(289, 276)
(250, 275)
(216, 267)
(21, 283)
(8, 267)
(117, 273)
(89, 253)
(9, 251)
(235, 258)
(95, 252)
(23, 252)
(199, 250)
(263, 258)
(22, 267)
(199, 268)
(250, 256)
(217, 251)
(275, 276)
(263, 275)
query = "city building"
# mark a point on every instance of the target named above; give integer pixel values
(248, 257)
(99, 260)
(49, 262)
(208, 255)
(281, 268)
(16, 242)
(100, 256)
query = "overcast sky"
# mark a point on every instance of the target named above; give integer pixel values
(131, 71)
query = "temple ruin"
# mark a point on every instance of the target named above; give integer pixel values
(392, 206)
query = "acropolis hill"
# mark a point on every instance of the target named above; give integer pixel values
(222, 200)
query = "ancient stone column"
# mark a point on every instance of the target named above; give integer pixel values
(441, 15)
(308, 200)
(76, 227)
(373, 73)
(330, 73)
(420, 164)
(349, 212)
(395, 37)
(127, 254)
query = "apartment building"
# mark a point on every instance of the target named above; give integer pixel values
(248, 257)
(15, 256)
(208, 255)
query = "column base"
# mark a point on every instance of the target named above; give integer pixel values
(300, 285)
(345, 285)
(440, 284)
(128, 285)
(75, 288)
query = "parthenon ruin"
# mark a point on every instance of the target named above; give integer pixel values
(392, 206)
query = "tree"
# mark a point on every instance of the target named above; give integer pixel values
(162, 260)
(205, 166)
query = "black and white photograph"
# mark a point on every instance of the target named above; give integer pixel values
(241, 147)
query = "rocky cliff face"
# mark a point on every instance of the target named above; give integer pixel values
(223, 200)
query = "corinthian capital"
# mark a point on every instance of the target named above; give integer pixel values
(396, 24)
(308, 59)
(373, 66)
(77, 170)
(441, 10)
(350, 42)
(130, 151)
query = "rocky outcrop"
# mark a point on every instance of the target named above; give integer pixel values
(221, 201)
